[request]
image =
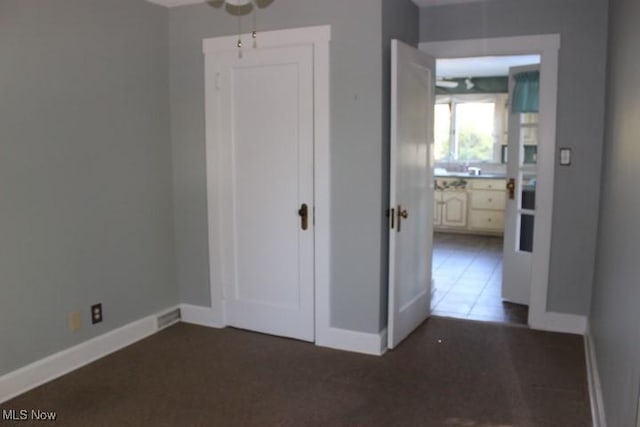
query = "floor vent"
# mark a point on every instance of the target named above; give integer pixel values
(169, 318)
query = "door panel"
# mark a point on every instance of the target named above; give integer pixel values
(266, 123)
(520, 212)
(411, 183)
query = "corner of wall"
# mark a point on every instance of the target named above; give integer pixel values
(593, 376)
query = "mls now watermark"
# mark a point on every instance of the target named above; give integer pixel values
(28, 415)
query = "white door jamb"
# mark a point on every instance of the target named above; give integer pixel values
(547, 46)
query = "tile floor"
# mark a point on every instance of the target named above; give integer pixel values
(467, 277)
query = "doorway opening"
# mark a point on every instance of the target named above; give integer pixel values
(476, 124)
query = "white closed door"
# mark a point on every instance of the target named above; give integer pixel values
(521, 198)
(411, 194)
(265, 131)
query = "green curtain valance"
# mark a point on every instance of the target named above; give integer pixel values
(480, 85)
(526, 93)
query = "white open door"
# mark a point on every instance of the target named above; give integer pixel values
(411, 183)
(521, 213)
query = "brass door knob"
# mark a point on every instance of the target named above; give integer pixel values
(511, 188)
(404, 214)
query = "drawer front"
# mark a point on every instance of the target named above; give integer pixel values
(486, 220)
(488, 184)
(495, 200)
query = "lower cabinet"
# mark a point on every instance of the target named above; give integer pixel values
(478, 207)
(450, 209)
(486, 221)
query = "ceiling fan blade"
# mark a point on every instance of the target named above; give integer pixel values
(215, 3)
(447, 84)
(263, 3)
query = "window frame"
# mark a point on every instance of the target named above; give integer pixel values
(500, 123)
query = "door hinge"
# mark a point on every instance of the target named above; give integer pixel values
(217, 81)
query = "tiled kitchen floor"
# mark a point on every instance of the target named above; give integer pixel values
(467, 276)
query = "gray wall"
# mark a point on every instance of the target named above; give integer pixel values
(356, 148)
(399, 21)
(85, 202)
(614, 315)
(582, 26)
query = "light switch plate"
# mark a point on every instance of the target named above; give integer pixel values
(565, 156)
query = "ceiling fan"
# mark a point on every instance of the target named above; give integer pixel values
(240, 7)
(441, 82)
(452, 84)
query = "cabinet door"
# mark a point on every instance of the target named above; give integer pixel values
(454, 208)
(487, 184)
(486, 220)
(494, 200)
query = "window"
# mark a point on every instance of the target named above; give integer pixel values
(469, 128)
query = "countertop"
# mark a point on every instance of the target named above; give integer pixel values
(466, 175)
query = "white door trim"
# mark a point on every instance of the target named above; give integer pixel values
(547, 46)
(319, 37)
(278, 38)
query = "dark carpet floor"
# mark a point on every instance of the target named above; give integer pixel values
(447, 373)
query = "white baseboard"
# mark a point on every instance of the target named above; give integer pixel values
(359, 342)
(203, 316)
(51, 367)
(559, 322)
(595, 389)
(340, 339)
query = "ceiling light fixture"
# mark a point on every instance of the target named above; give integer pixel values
(242, 8)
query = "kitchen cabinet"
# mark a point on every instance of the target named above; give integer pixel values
(477, 207)
(450, 209)
(488, 200)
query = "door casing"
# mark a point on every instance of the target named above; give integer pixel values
(547, 46)
(319, 37)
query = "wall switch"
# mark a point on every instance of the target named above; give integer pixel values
(96, 313)
(74, 320)
(565, 156)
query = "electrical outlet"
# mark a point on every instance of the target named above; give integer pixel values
(75, 320)
(96, 313)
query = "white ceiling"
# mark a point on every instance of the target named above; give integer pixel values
(420, 3)
(486, 66)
